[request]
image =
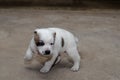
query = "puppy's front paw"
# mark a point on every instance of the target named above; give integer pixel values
(75, 68)
(44, 70)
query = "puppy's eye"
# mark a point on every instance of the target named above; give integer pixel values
(41, 43)
(51, 43)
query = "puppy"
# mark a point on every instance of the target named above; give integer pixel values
(52, 42)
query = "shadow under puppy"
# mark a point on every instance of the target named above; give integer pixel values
(48, 43)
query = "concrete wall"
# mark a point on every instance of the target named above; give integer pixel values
(36, 2)
(109, 3)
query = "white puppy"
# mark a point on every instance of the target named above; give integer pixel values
(53, 41)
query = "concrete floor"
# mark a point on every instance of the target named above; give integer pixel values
(98, 31)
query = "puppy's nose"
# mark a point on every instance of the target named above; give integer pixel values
(47, 52)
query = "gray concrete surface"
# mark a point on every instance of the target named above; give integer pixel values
(98, 31)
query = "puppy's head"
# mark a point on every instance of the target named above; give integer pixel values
(44, 41)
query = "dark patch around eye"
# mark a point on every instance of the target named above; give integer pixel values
(41, 43)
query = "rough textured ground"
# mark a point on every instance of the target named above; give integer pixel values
(98, 31)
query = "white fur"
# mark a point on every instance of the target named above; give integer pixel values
(70, 47)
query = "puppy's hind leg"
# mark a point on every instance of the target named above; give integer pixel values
(73, 53)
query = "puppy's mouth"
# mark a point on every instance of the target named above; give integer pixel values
(44, 55)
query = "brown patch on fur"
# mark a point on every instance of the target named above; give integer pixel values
(62, 42)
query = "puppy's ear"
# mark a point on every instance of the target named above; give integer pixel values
(36, 36)
(33, 42)
(54, 34)
(35, 32)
